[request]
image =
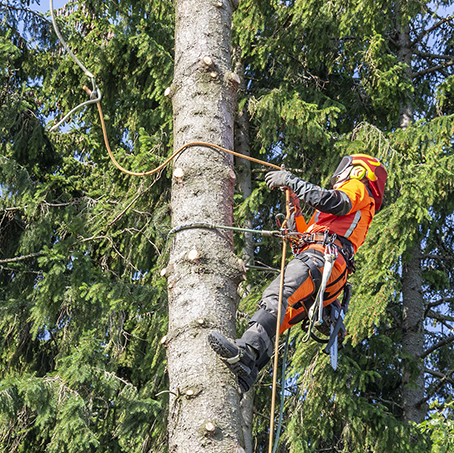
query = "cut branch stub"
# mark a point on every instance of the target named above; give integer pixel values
(178, 174)
(193, 255)
(232, 78)
(207, 61)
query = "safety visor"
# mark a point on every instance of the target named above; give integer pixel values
(344, 163)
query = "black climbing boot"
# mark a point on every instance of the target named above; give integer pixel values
(246, 382)
(238, 356)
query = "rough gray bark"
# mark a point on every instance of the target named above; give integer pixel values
(242, 145)
(404, 55)
(413, 338)
(243, 166)
(203, 272)
(413, 300)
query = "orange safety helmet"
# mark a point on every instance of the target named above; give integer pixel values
(359, 166)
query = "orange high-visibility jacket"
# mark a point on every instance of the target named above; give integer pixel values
(349, 217)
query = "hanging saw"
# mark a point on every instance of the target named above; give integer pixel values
(333, 319)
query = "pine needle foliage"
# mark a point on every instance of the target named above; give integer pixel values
(83, 302)
(83, 306)
(324, 80)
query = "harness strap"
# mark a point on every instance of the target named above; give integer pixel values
(316, 275)
(343, 245)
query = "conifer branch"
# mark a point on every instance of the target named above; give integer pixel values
(133, 231)
(432, 392)
(24, 10)
(21, 258)
(383, 400)
(431, 29)
(432, 56)
(438, 257)
(437, 346)
(441, 375)
(439, 302)
(119, 216)
(433, 69)
(440, 317)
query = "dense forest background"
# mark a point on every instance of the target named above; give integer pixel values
(83, 299)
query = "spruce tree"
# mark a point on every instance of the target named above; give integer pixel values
(84, 305)
(83, 302)
(346, 61)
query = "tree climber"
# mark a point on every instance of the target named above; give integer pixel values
(342, 218)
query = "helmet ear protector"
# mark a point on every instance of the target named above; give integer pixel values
(358, 172)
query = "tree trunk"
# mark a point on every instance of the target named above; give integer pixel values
(413, 301)
(203, 272)
(243, 168)
(413, 337)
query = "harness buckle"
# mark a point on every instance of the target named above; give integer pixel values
(331, 252)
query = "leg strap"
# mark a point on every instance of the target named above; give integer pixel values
(307, 258)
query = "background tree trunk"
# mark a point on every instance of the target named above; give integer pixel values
(203, 272)
(243, 169)
(413, 338)
(412, 297)
(243, 166)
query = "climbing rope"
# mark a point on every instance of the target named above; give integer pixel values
(278, 325)
(210, 226)
(281, 410)
(96, 90)
(95, 98)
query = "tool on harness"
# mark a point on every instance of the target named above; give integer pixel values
(337, 327)
(333, 326)
(330, 256)
(300, 241)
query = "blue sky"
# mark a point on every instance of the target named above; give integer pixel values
(43, 7)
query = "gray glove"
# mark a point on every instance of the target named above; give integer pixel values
(277, 178)
(294, 200)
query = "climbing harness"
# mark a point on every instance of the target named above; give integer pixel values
(317, 317)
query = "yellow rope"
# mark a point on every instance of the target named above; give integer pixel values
(278, 327)
(175, 154)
